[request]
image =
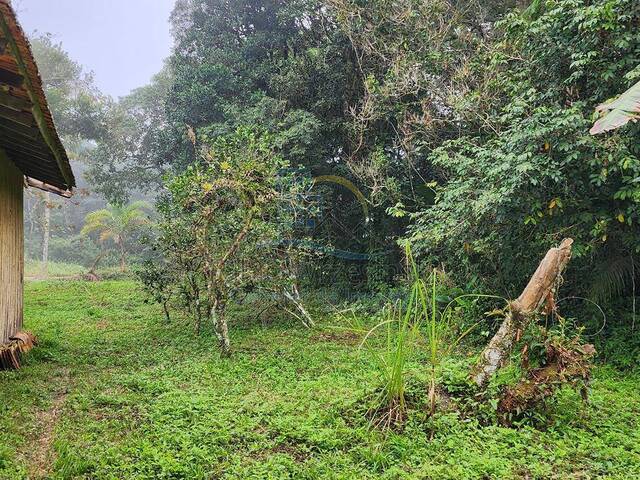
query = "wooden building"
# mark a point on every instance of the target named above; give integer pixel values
(31, 154)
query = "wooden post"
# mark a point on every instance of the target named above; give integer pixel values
(11, 249)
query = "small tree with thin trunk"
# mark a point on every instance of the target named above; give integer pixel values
(117, 224)
(224, 225)
(46, 233)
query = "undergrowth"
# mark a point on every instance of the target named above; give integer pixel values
(114, 391)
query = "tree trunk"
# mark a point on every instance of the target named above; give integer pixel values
(167, 314)
(91, 275)
(198, 317)
(539, 289)
(217, 310)
(93, 268)
(46, 232)
(225, 343)
(294, 298)
(31, 204)
(220, 326)
(123, 255)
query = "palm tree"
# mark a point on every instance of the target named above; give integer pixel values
(117, 223)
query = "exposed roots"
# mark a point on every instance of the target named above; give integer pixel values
(568, 364)
(390, 416)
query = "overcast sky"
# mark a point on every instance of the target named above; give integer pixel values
(124, 42)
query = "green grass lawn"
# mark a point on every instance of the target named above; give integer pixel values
(33, 269)
(70, 271)
(113, 392)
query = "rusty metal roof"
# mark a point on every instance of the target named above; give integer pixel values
(27, 132)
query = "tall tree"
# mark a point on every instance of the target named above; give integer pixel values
(223, 229)
(134, 147)
(75, 102)
(279, 64)
(527, 173)
(284, 67)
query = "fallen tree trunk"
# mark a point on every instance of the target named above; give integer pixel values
(539, 289)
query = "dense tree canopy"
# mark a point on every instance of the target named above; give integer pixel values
(464, 123)
(530, 173)
(281, 65)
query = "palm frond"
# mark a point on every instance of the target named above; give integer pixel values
(613, 277)
(107, 235)
(96, 221)
(139, 205)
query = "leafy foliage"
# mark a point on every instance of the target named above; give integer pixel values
(531, 173)
(116, 224)
(282, 65)
(618, 112)
(224, 227)
(131, 153)
(459, 116)
(78, 109)
(75, 102)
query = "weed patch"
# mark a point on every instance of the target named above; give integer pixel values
(148, 400)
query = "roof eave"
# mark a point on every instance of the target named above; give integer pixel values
(34, 85)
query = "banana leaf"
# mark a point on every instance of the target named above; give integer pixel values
(618, 112)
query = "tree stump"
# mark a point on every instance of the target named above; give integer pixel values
(536, 293)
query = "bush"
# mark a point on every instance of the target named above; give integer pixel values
(531, 174)
(225, 231)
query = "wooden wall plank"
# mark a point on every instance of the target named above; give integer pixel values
(11, 248)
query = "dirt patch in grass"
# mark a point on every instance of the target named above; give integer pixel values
(102, 325)
(41, 456)
(292, 451)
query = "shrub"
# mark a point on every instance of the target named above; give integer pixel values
(225, 230)
(513, 185)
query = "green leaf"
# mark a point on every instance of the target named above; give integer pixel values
(618, 112)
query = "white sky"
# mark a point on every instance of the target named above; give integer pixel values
(124, 42)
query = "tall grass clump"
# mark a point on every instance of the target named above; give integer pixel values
(402, 329)
(410, 325)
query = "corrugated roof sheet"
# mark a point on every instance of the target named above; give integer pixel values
(27, 131)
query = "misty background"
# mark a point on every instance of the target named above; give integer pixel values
(92, 55)
(123, 42)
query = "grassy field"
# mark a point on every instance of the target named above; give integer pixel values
(70, 271)
(114, 392)
(33, 269)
